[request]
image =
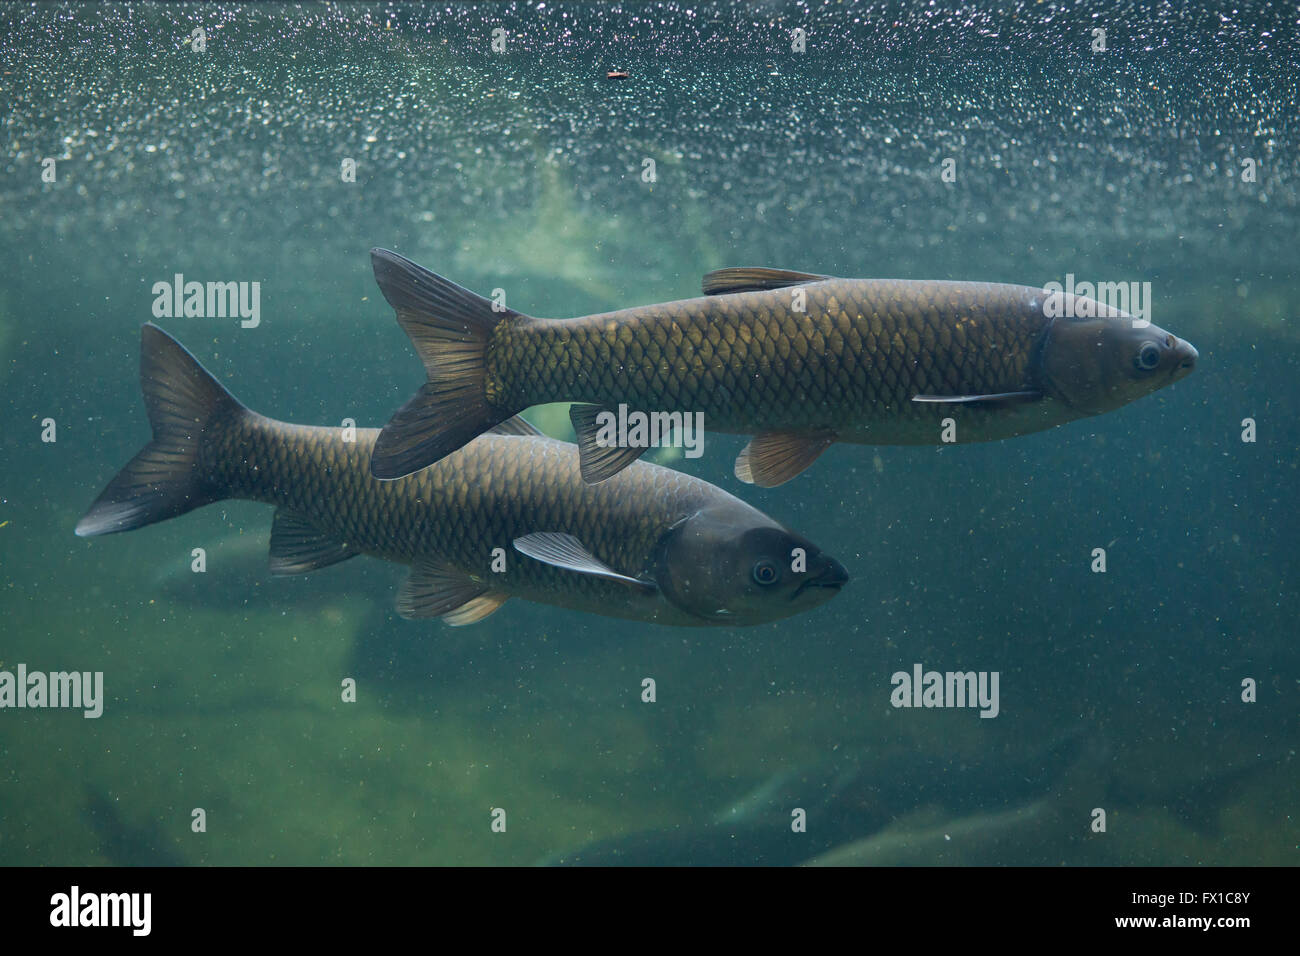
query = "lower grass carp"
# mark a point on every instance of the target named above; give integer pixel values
(652, 545)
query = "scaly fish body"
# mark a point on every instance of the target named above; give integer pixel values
(801, 361)
(851, 363)
(635, 547)
(493, 491)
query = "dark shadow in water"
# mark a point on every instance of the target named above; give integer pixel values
(123, 843)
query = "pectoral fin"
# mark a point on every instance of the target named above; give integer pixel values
(599, 462)
(747, 279)
(773, 458)
(297, 546)
(565, 551)
(1001, 398)
(434, 589)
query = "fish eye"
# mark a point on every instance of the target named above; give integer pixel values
(1148, 357)
(765, 573)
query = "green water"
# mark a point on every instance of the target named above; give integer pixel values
(523, 170)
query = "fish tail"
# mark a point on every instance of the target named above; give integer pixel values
(186, 407)
(451, 329)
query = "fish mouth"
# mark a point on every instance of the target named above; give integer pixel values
(1187, 355)
(833, 576)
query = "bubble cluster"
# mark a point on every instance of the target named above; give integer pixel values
(1128, 158)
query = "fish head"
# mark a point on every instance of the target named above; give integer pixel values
(1098, 364)
(730, 564)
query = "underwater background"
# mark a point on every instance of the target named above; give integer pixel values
(1170, 158)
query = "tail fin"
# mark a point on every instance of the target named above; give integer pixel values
(185, 405)
(451, 329)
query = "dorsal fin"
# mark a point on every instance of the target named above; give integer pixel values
(516, 426)
(751, 279)
(598, 462)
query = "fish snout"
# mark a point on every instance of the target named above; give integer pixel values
(835, 575)
(832, 576)
(1185, 355)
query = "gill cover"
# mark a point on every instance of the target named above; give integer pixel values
(722, 565)
(1099, 364)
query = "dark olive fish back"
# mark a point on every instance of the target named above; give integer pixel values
(496, 489)
(798, 360)
(852, 360)
(508, 515)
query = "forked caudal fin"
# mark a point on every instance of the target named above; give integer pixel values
(451, 329)
(186, 405)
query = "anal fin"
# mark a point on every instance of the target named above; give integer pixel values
(597, 461)
(298, 546)
(473, 611)
(773, 458)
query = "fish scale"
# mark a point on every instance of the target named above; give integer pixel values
(446, 519)
(868, 361)
(652, 544)
(495, 490)
(863, 349)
